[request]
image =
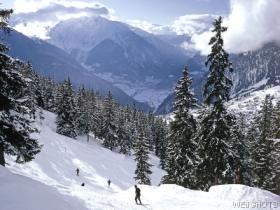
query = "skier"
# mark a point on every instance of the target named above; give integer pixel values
(83, 184)
(109, 182)
(78, 171)
(137, 194)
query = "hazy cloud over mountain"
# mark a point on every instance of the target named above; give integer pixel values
(36, 20)
(252, 23)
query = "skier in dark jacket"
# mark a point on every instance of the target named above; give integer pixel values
(137, 194)
(78, 171)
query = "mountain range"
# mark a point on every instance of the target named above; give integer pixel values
(53, 62)
(139, 67)
(252, 71)
(140, 63)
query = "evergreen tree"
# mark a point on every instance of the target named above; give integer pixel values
(148, 123)
(34, 87)
(141, 149)
(82, 113)
(160, 140)
(181, 158)
(93, 113)
(276, 167)
(263, 155)
(214, 136)
(16, 107)
(48, 94)
(66, 110)
(109, 127)
(124, 143)
(241, 147)
(276, 121)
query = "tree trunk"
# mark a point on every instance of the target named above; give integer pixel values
(216, 179)
(2, 157)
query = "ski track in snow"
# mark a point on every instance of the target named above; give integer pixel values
(60, 156)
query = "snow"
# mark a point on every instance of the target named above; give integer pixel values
(19, 192)
(50, 181)
(251, 102)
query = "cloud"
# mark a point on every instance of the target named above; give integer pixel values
(187, 24)
(150, 27)
(43, 15)
(55, 12)
(251, 24)
(192, 24)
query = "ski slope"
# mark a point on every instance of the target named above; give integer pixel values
(19, 192)
(50, 181)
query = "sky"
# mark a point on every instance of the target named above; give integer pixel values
(155, 11)
(251, 23)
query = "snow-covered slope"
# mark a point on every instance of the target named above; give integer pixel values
(55, 167)
(19, 192)
(250, 102)
(60, 156)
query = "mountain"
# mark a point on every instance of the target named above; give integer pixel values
(256, 70)
(51, 61)
(140, 63)
(253, 70)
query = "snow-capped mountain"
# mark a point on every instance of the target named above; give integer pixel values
(51, 61)
(257, 69)
(139, 63)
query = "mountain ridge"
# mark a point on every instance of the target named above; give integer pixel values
(51, 61)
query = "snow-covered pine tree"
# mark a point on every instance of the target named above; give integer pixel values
(181, 157)
(93, 113)
(276, 121)
(124, 140)
(109, 127)
(276, 166)
(276, 146)
(82, 113)
(141, 153)
(214, 136)
(241, 148)
(66, 110)
(34, 90)
(16, 107)
(48, 94)
(160, 136)
(263, 155)
(149, 130)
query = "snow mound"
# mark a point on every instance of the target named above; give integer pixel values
(19, 192)
(222, 197)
